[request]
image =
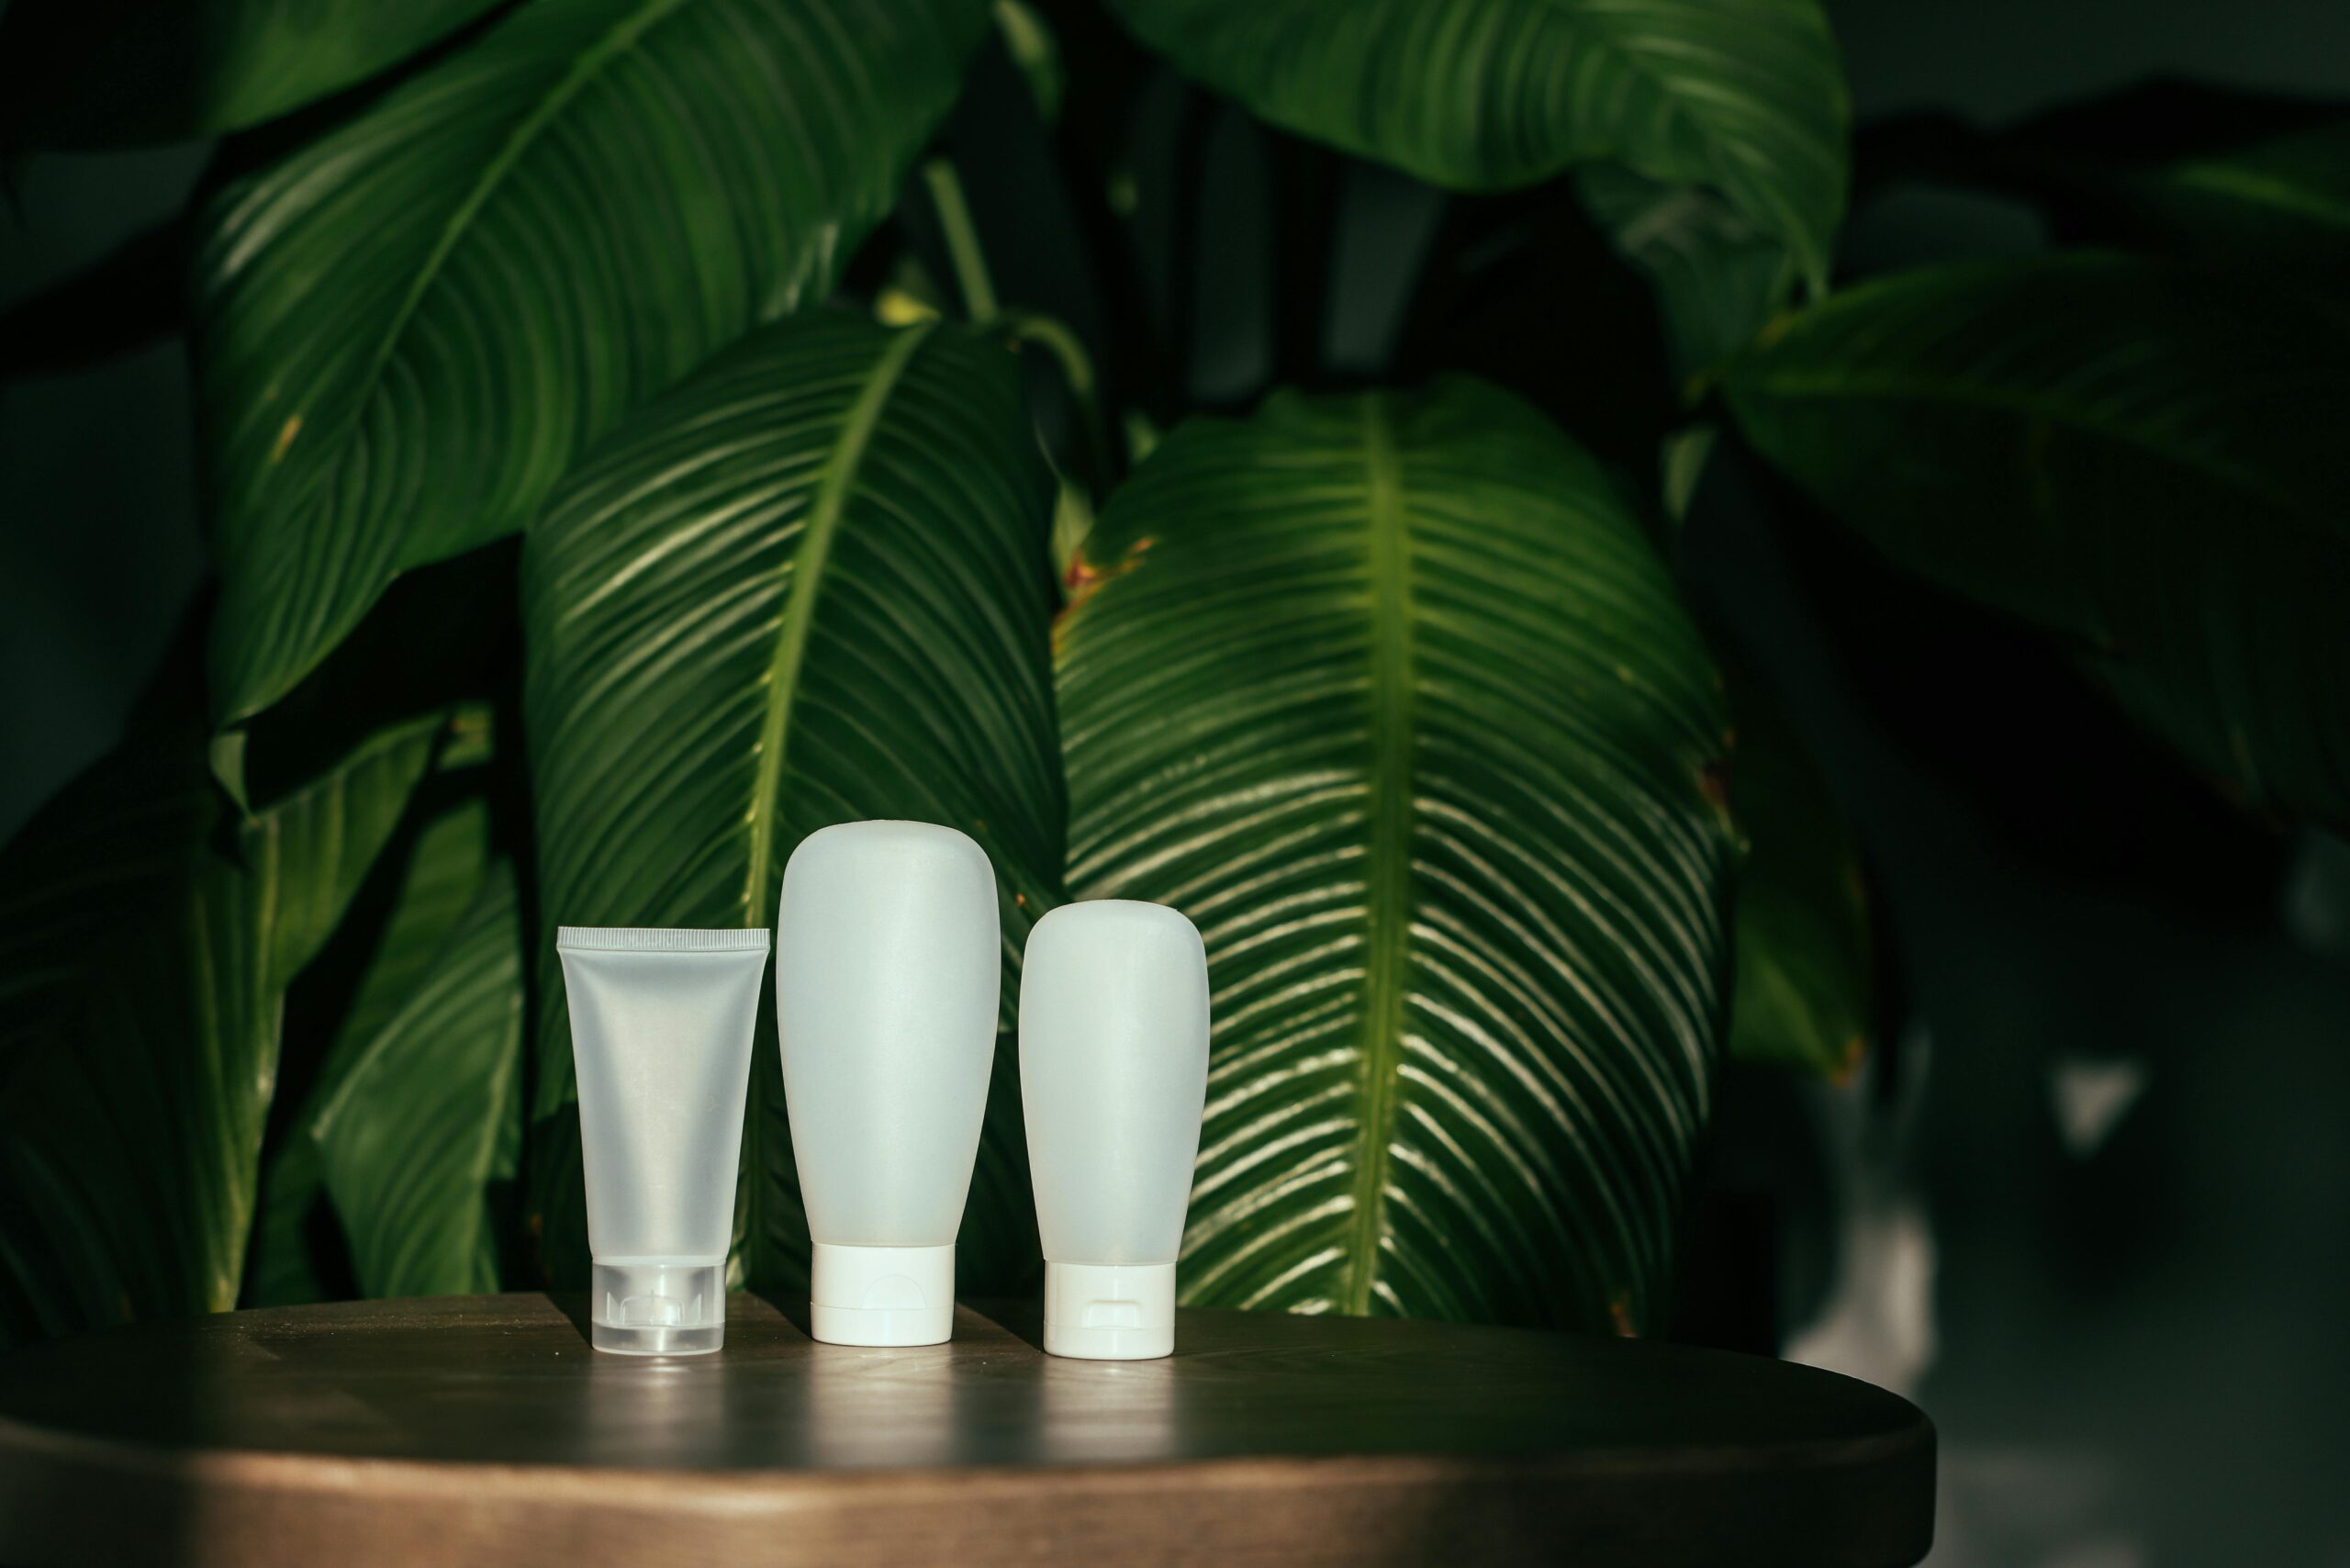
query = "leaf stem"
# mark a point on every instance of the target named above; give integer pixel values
(962, 241)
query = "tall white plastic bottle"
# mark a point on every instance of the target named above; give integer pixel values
(1113, 1072)
(887, 967)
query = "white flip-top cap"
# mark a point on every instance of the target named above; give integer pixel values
(658, 1309)
(881, 1295)
(1113, 1066)
(1110, 1312)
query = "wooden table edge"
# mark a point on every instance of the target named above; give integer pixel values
(147, 1503)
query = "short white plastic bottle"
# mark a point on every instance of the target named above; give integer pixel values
(889, 959)
(1113, 1066)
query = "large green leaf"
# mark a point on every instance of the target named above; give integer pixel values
(437, 879)
(1743, 96)
(427, 1121)
(1391, 696)
(150, 933)
(2145, 459)
(410, 326)
(104, 73)
(1718, 278)
(1804, 985)
(811, 585)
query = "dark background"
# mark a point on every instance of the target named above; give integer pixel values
(2088, 1203)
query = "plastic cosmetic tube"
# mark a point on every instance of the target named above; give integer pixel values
(1113, 1074)
(661, 1025)
(887, 963)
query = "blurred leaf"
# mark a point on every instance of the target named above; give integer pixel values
(91, 73)
(1802, 996)
(2145, 459)
(147, 935)
(1681, 468)
(1028, 38)
(437, 881)
(1717, 279)
(1742, 96)
(411, 326)
(1391, 696)
(2188, 170)
(286, 1265)
(443, 639)
(428, 1118)
(2286, 200)
(811, 585)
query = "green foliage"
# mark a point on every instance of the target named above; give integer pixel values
(435, 879)
(427, 1119)
(1386, 687)
(1804, 986)
(1391, 695)
(2280, 201)
(1718, 278)
(2143, 459)
(411, 326)
(1742, 96)
(808, 587)
(85, 73)
(151, 932)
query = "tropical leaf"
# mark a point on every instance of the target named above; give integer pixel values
(2143, 459)
(83, 73)
(151, 932)
(427, 1122)
(2188, 170)
(294, 1232)
(1804, 985)
(435, 882)
(1717, 279)
(1391, 696)
(2286, 200)
(411, 325)
(1742, 96)
(808, 587)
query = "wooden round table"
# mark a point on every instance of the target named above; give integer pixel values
(482, 1429)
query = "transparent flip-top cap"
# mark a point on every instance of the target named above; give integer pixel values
(658, 1309)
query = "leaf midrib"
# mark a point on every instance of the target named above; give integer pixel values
(1389, 866)
(807, 566)
(2258, 187)
(623, 36)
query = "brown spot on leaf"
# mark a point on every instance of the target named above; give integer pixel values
(1775, 329)
(1085, 579)
(1713, 782)
(285, 435)
(1619, 1314)
(1847, 1065)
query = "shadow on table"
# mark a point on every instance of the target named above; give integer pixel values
(578, 1307)
(1022, 1319)
(789, 1305)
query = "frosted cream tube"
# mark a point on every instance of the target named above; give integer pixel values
(661, 1024)
(888, 961)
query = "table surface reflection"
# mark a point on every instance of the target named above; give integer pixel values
(490, 1424)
